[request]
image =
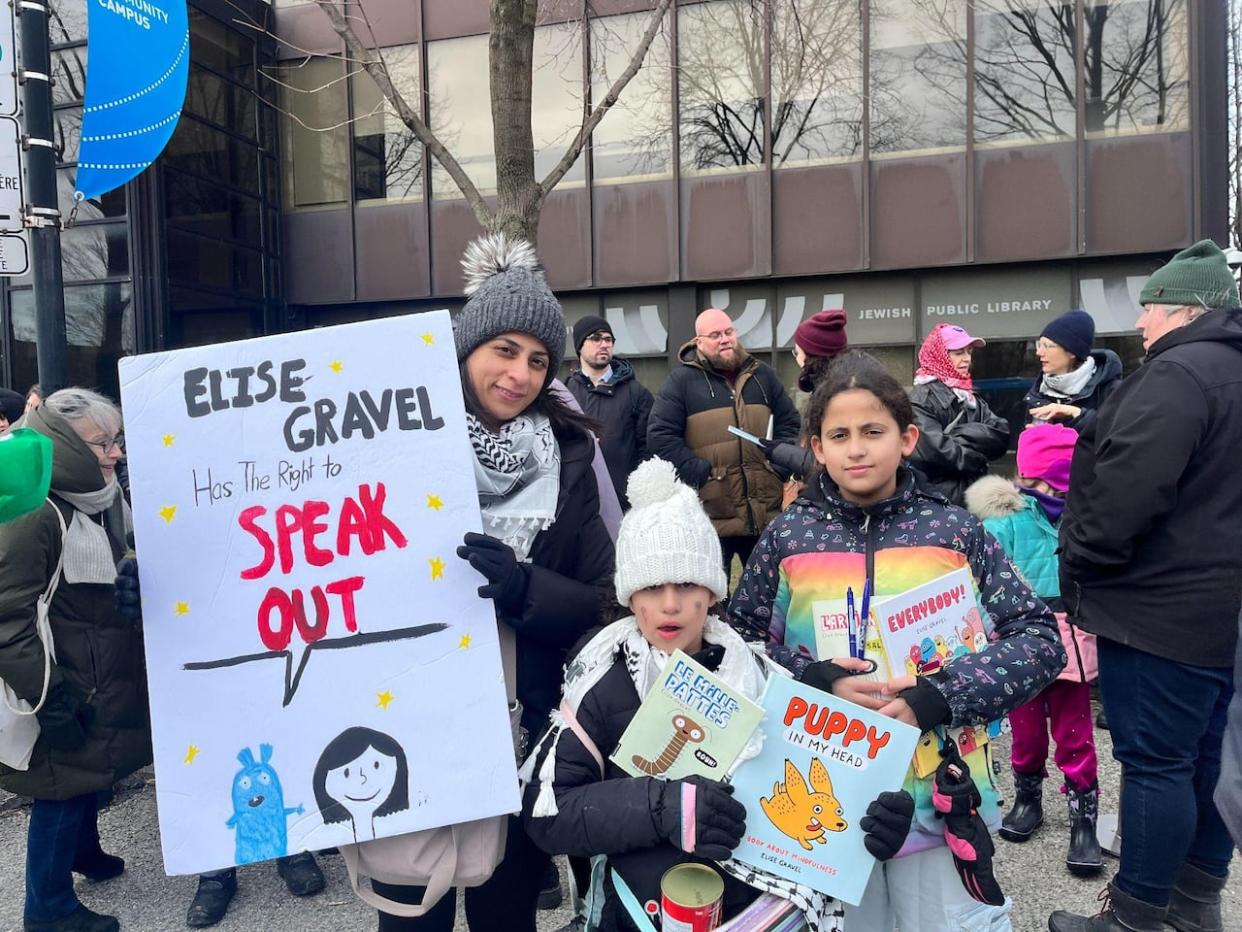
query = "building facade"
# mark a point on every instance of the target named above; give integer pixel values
(984, 162)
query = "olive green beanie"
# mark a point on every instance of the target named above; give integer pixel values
(25, 472)
(1198, 275)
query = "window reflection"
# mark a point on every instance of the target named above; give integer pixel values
(216, 99)
(388, 158)
(67, 21)
(816, 81)
(316, 133)
(69, 75)
(556, 100)
(1024, 70)
(634, 141)
(918, 75)
(1135, 67)
(66, 133)
(721, 74)
(460, 116)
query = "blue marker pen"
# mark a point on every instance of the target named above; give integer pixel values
(865, 622)
(851, 621)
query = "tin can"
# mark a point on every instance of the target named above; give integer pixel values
(690, 898)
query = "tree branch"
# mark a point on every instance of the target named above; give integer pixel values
(614, 93)
(375, 67)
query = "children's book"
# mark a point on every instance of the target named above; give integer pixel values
(823, 762)
(929, 626)
(690, 722)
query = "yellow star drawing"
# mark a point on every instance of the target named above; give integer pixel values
(437, 568)
(168, 439)
(182, 608)
(428, 339)
(464, 643)
(336, 365)
(168, 512)
(383, 699)
(434, 502)
(190, 753)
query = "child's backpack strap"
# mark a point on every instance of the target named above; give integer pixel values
(637, 916)
(575, 726)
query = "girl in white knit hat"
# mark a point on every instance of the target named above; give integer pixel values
(669, 573)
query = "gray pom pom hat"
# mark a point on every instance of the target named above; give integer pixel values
(507, 292)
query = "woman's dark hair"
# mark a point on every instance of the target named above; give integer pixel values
(566, 422)
(861, 371)
(814, 371)
(347, 746)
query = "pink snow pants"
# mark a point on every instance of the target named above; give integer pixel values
(1067, 706)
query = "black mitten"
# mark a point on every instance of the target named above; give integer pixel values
(928, 704)
(506, 578)
(956, 800)
(822, 674)
(887, 823)
(128, 595)
(63, 719)
(701, 817)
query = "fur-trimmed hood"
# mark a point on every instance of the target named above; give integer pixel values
(994, 497)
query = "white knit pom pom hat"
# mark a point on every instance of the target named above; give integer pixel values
(666, 537)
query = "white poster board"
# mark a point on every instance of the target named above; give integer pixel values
(321, 667)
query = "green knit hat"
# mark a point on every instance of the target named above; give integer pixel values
(1198, 275)
(25, 472)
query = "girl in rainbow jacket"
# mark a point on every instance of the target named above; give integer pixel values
(862, 516)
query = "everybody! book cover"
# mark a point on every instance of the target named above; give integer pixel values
(689, 723)
(823, 762)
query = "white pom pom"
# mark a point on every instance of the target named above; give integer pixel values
(496, 252)
(652, 482)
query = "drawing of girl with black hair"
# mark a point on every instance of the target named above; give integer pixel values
(362, 774)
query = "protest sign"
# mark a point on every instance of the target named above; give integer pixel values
(321, 667)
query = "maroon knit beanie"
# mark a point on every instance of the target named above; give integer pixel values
(822, 334)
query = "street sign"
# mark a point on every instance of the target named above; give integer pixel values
(10, 176)
(14, 254)
(9, 94)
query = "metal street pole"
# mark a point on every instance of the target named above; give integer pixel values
(42, 211)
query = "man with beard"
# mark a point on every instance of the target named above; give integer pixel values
(719, 384)
(608, 392)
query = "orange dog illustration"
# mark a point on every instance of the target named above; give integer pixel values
(801, 813)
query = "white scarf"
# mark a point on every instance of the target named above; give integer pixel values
(1069, 384)
(518, 474)
(88, 550)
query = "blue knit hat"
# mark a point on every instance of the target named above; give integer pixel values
(1073, 331)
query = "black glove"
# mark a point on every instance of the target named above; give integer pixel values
(64, 718)
(719, 819)
(506, 578)
(710, 656)
(928, 704)
(887, 823)
(823, 673)
(956, 800)
(127, 596)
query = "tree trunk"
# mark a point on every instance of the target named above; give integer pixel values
(511, 50)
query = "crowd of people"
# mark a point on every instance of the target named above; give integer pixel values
(1107, 558)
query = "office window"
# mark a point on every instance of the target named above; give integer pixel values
(1024, 70)
(388, 158)
(556, 100)
(634, 141)
(66, 21)
(817, 93)
(918, 76)
(316, 133)
(721, 70)
(69, 75)
(461, 114)
(1136, 66)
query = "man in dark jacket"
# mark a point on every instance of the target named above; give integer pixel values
(717, 385)
(1150, 564)
(608, 392)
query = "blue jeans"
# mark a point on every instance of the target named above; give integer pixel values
(1167, 720)
(59, 830)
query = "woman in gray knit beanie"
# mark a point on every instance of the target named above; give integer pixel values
(545, 556)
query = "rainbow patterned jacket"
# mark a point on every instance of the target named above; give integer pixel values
(820, 545)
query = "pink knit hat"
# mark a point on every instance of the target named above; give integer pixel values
(1045, 452)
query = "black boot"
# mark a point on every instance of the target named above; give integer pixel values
(550, 895)
(80, 920)
(97, 866)
(301, 874)
(1027, 812)
(211, 901)
(1121, 913)
(1084, 858)
(1195, 904)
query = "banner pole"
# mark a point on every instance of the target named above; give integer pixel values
(42, 210)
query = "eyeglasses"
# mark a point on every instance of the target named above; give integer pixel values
(717, 335)
(600, 338)
(1046, 345)
(109, 444)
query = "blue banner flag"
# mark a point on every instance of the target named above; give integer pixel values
(135, 87)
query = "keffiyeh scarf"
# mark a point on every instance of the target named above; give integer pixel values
(518, 473)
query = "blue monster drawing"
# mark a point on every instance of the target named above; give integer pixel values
(259, 811)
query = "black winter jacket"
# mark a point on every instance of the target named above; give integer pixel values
(621, 407)
(956, 443)
(740, 490)
(1149, 539)
(1107, 376)
(616, 815)
(570, 570)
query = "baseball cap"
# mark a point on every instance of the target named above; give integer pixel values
(956, 338)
